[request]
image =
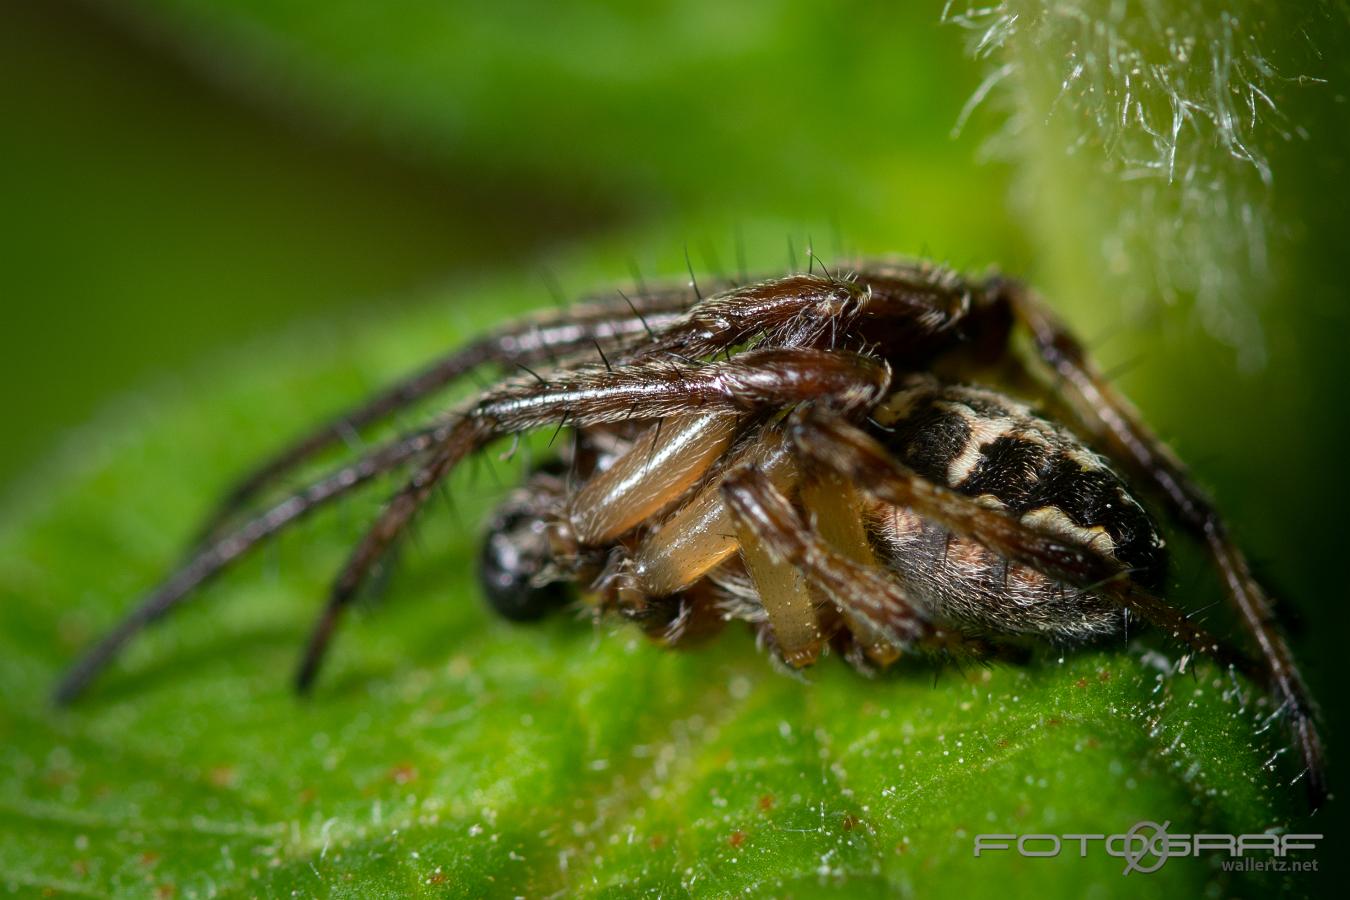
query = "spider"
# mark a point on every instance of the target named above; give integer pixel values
(803, 453)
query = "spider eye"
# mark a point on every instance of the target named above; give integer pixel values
(515, 551)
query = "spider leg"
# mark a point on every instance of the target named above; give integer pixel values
(599, 323)
(753, 381)
(210, 560)
(834, 511)
(1111, 419)
(467, 436)
(862, 591)
(699, 535)
(797, 311)
(912, 307)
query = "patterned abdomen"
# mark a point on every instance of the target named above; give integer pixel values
(985, 445)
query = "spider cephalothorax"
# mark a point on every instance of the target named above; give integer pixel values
(801, 453)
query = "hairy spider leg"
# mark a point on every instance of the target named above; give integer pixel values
(1109, 417)
(753, 381)
(794, 617)
(865, 592)
(922, 307)
(708, 530)
(596, 324)
(211, 559)
(788, 312)
(834, 508)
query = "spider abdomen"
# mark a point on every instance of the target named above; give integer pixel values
(985, 445)
(961, 582)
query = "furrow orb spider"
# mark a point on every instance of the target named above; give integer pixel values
(805, 453)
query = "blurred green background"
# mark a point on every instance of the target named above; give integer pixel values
(178, 176)
(181, 178)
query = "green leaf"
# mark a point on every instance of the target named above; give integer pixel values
(448, 753)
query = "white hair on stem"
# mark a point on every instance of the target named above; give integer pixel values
(1168, 114)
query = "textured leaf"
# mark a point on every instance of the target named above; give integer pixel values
(448, 752)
